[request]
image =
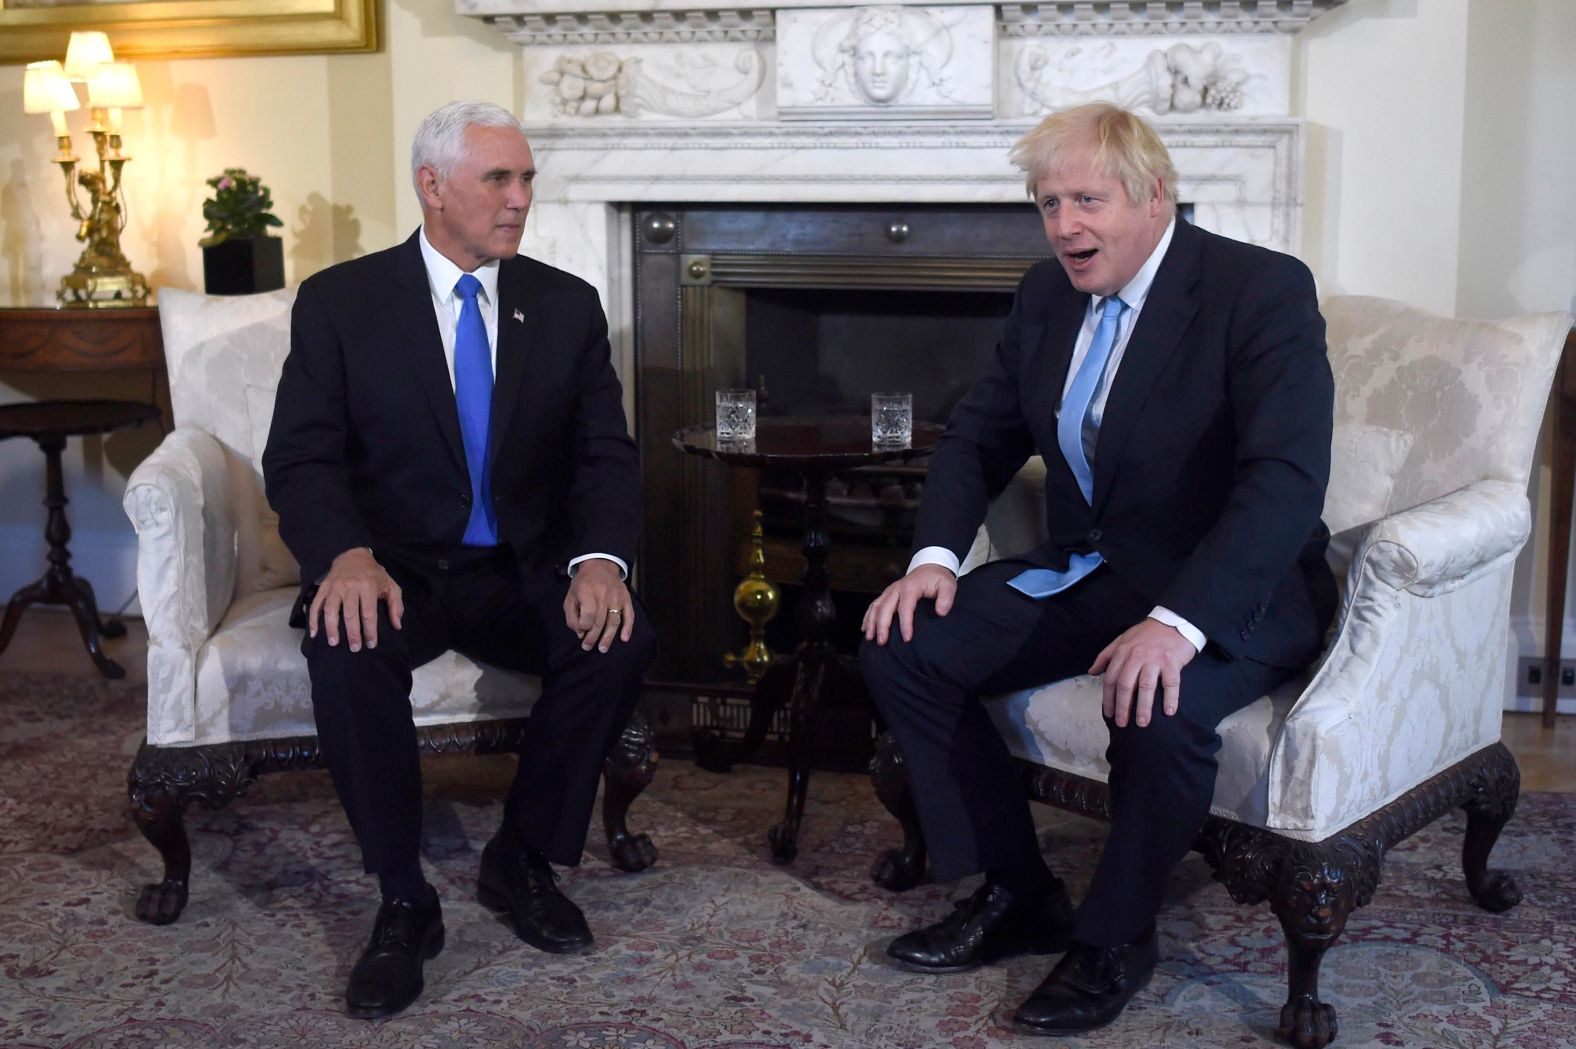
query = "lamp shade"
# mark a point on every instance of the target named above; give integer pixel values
(45, 89)
(115, 84)
(86, 51)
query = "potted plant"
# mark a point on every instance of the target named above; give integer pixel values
(238, 255)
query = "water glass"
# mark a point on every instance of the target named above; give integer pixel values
(735, 416)
(891, 420)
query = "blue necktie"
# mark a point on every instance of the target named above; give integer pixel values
(1075, 435)
(473, 384)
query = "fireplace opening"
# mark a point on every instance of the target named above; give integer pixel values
(824, 351)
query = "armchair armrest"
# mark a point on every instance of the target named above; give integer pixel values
(180, 501)
(1413, 676)
(1445, 543)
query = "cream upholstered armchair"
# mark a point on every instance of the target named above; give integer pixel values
(228, 694)
(1399, 721)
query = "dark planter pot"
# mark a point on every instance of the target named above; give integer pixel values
(241, 267)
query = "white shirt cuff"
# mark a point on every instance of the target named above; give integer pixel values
(1194, 635)
(936, 555)
(623, 569)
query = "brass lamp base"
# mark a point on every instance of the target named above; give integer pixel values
(102, 278)
(85, 288)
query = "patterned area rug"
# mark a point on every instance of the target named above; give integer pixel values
(714, 948)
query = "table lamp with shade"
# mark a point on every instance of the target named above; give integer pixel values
(102, 276)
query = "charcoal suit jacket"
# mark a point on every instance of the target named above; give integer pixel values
(1212, 456)
(365, 447)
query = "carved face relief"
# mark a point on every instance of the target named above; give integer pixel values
(881, 63)
(882, 57)
(1321, 899)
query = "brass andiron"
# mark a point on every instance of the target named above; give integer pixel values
(756, 601)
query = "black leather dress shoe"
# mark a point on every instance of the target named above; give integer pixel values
(1088, 988)
(989, 925)
(528, 890)
(387, 976)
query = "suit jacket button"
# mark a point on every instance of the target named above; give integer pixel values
(465, 500)
(1246, 633)
(443, 566)
(1094, 535)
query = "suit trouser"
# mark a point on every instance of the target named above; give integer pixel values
(971, 804)
(481, 605)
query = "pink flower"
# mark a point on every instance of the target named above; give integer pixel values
(226, 183)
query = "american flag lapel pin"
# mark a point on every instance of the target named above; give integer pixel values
(519, 316)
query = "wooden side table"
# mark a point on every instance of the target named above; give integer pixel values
(816, 447)
(1564, 487)
(39, 339)
(49, 423)
(46, 339)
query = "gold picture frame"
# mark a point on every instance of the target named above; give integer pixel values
(34, 30)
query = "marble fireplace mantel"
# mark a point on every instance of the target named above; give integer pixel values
(816, 101)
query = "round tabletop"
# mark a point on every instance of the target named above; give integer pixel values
(832, 441)
(72, 418)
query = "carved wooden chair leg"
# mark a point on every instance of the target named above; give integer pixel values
(1487, 813)
(159, 812)
(1317, 886)
(162, 783)
(901, 868)
(628, 770)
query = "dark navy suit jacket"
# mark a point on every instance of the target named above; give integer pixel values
(1212, 456)
(365, 447)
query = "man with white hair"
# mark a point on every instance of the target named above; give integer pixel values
(452, 469)
(1176, 384)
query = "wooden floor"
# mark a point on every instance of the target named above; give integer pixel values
(46, 641)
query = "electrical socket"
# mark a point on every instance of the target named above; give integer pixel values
(1529, 677)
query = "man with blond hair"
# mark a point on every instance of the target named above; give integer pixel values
(1176, 384)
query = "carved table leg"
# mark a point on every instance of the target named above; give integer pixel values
(114, 626)
(59, 586)
(78, 595)
(1563, 483)
(628, 770)
(816, 616)
(901, 868)
(714, 754)
(19, 602)
(803, 709)
(1487, 813)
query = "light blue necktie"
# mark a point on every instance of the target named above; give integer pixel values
(1076, 431)
(473, 385)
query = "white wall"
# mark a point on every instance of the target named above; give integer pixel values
(1518, 228)
(1441, 143)
(1518, 166)
(1382, 86)
(1441, 150)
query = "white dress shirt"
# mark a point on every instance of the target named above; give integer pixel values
(442, 276)
(1133, 294)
